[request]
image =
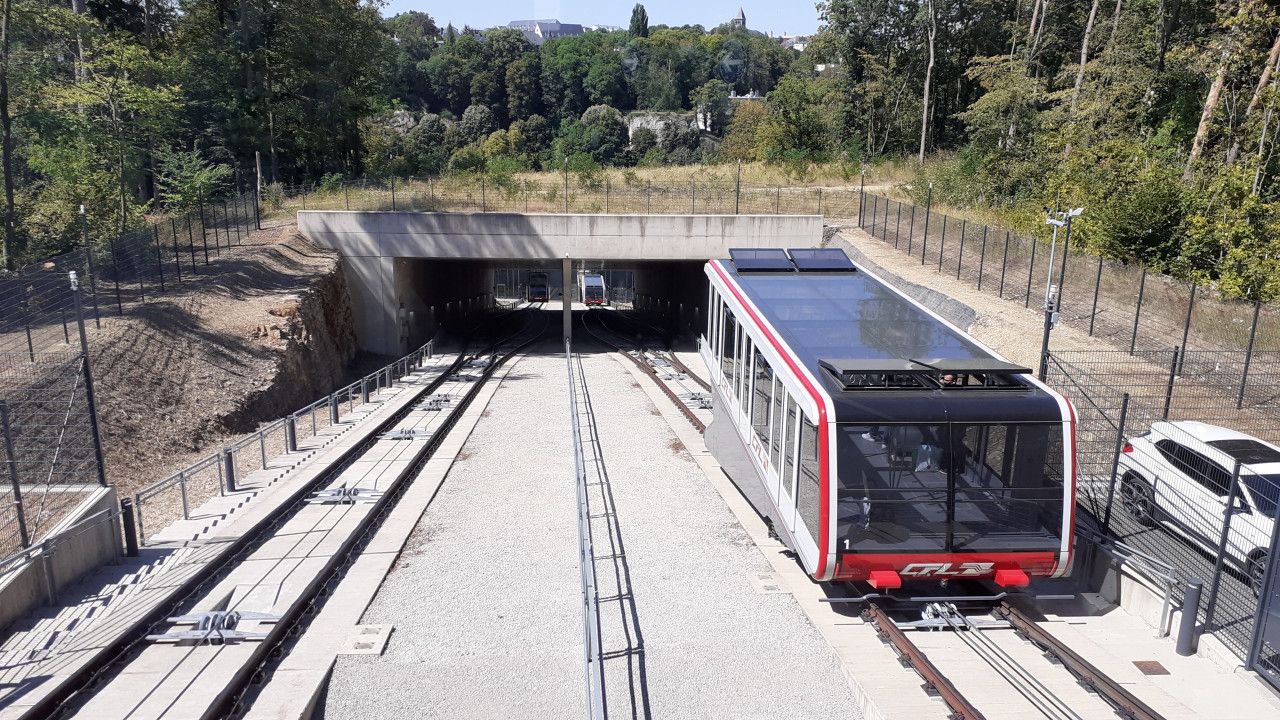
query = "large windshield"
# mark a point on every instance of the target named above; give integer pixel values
(950, 488)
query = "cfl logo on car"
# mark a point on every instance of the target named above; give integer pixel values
(950, 570)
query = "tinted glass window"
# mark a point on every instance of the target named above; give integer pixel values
(919, 488)
(807, 484)
(1247, 451)
(788, 448)
(1008, 485)
(762, 398)
(775, 435)
(1264, 491)
(729, 332)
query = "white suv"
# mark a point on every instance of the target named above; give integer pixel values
(1178, 474)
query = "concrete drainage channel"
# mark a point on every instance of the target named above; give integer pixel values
(223, 644)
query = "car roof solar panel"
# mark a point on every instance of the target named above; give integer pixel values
(761, 260)
(821, 260)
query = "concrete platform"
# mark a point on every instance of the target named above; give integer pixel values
(46, 648)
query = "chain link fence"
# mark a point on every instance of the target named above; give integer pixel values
(1169, 464)
(1122, 303)
(469, 193)
(51, 449)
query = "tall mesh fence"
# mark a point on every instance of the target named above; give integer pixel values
(50, 453)
(1123, 304)
(1159, 469)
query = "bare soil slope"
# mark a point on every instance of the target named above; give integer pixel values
(264, 328)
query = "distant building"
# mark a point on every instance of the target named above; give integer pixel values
(740, 22)
(540, 31)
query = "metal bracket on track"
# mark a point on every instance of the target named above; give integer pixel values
(407, 434)
(345, 496)
(217, 627)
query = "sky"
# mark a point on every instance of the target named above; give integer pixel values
(791, 17)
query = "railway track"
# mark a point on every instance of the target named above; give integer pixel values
(688, 391)
(204, 652)
(1059, 684)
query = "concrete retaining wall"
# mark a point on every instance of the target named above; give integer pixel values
(73, 551)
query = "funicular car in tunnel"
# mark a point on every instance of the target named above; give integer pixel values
(885, 443)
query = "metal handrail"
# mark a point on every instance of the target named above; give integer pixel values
(181, 477)
(593, 650)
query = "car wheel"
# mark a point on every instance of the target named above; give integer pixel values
(1257, 570)
(1137, 498)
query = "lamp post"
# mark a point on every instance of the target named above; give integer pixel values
(1056, 218)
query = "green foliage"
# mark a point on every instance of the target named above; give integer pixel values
(600, 135)
(639, 21)
(796, 130)
(187, 180)
(743, 138)
(711, 101)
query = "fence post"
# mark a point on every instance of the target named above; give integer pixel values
(566, 185)
(393, 193)
(229, 469)
(484, 202)
(191, 237)
(291, 433)
(1004, 263)
(911, 230)
(897, 228)
(693, 197)
(1031, 268)
(1115, 464)
(1186, 325)
(1173, 374)
(777, 200)
(1137, 311)
(130, 529)
(1248, 354)
(177, 257)
(11, 459)
(115, 268)
(737, 189)
(820, 204)
(93, 275)
(173, 227)
(982, 256)
(155, 233)
(862, 192)
(1097, 285)
(964, 225)
(333, 409)
(1230, 511)
(928, 211)
(90, 400)
(942, 244)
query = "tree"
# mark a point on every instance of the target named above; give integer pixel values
(476, 124)
(187, 180)
(932, 29)
(639, 21)
(744, 129)
(711, 101)
(523, 87)
(796, 128)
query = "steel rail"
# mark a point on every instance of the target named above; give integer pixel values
(1026, 684)
(670, 355)
(113, 656)
(648, 369)
(1125, 702)
(292, 625)
(593, 649)
(960, 706)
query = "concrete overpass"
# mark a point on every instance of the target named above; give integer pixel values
(424, 261)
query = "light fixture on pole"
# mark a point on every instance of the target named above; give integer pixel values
(1058, 219)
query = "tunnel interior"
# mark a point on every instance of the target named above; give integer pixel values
(434, 297)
